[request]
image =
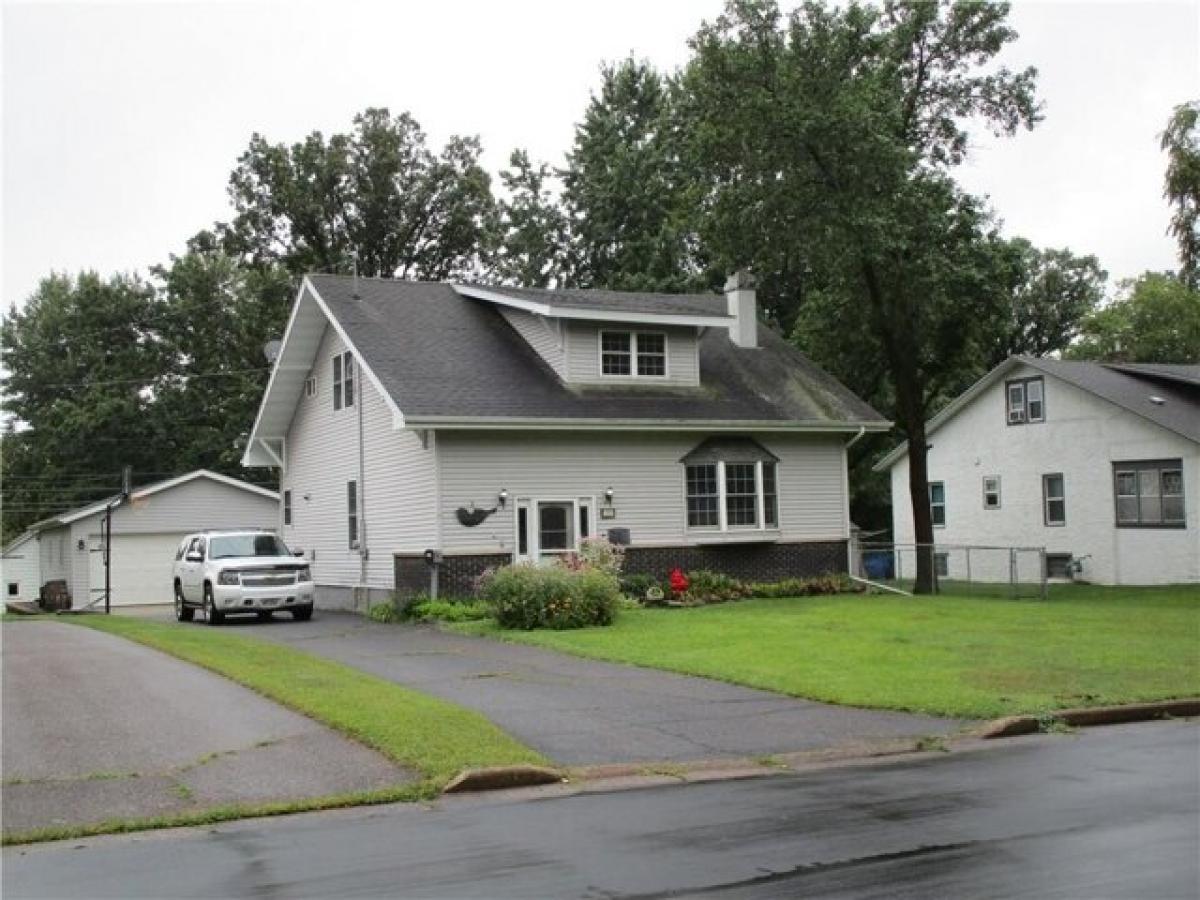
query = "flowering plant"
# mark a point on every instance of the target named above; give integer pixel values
(679, 581)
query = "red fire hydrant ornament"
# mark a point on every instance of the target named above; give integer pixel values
(679, 581)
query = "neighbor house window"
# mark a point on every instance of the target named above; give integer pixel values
(991, 491)
(343, 380)
(13, 589)
(1026, 401)
(1149, 494)
(310, 387)
(731, 484)
(630, 352)
(352, 513)
(937, 503)
(1054, 499)
(941, 565)
(287, 507)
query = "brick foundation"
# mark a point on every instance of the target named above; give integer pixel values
(749, 562)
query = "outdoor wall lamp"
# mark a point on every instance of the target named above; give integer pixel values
(608, 496)
(502, 496)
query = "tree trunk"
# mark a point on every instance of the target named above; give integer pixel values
(918, 489)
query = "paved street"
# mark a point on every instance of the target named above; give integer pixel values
(97, 727)
(1106, 813)
(579, 711)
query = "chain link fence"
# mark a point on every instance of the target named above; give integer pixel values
(970, 570)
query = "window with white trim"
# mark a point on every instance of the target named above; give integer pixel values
(937, 503)
(731, 485)
(1054, 499)
(991, 491)
(1025, 401)
(343, 380)
(1149, 494)
(625, 353)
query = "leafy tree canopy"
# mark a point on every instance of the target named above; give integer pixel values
(1181, 141)
(1154, 319)
(377, 192)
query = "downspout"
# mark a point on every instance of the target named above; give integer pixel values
(862, 429)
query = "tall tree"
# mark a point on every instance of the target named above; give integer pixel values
(217, 316)
(1181, 141)
(1052, 291)
(844, 122)
(378, 193)
(531, 240)
(1153, 319)
(82, 359)
(622, 188)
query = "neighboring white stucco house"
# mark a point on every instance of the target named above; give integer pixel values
(146, 530)
(494, 425)
(1098, 463)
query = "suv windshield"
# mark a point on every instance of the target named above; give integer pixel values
(246, 545)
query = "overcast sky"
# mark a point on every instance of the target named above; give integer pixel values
(121, 122)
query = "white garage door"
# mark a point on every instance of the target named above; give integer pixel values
(141, 568)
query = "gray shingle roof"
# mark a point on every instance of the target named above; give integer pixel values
(617, 301)
(1132, 386)
(443, 356)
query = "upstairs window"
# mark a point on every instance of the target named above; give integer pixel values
(343, 380)
(643, 353)
(310, 387)
(1149, 494)
(1026, 401)
(287, 507)
(731, 485)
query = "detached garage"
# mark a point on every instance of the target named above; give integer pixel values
(146, 531)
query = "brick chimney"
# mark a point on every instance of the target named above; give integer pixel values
(743, 306)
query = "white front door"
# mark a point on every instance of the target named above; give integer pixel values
(549, 529)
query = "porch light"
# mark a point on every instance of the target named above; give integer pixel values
(608, 496)
(502, 496)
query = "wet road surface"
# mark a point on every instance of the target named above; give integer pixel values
(1110, 812)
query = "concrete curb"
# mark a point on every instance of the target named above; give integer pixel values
(1086, 717)
(500, 778)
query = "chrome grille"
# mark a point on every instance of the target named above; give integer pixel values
(273, 580)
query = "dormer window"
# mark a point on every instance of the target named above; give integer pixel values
(624, 353)
(1026, 401)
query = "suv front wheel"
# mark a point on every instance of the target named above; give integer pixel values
(183, 612)
(211, 614)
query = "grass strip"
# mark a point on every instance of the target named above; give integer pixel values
(435, 738)
(404, 793)
(966, 657)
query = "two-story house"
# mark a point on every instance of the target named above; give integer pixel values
(494, 425)
(1095, 462)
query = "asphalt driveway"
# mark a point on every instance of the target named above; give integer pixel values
(96, 727)
(578, 711)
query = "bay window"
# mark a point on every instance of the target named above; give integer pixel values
(731, 485)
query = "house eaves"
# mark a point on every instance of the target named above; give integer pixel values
(595, 313)
(501, 423)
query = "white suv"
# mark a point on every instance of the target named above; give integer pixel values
(240, 572)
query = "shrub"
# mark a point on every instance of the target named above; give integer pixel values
(530, 596)
(712, 587)
(599, 554)
(805, 587)
(448, 610)
(388, 611)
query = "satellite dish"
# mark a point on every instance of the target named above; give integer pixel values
(271, 350)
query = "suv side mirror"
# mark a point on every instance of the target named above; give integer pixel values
(195, 556)
(296, 551)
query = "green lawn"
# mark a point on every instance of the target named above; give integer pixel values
(957, 656)
(435, 738)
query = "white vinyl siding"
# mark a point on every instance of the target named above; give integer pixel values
(22, 565)
(644, 472)
(542, 334)
(583, 355)
(396, 513)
